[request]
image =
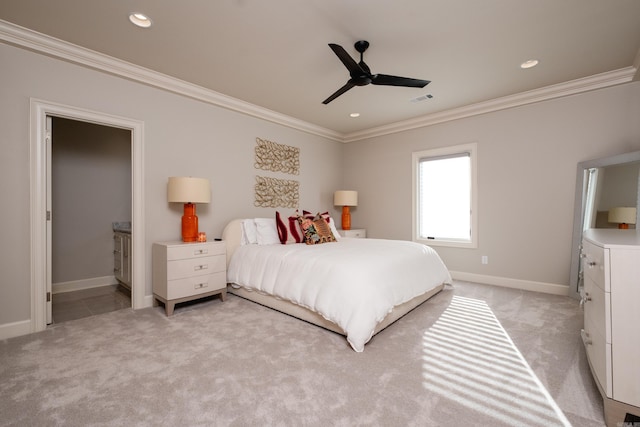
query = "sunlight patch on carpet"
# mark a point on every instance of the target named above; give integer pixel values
(470, 359)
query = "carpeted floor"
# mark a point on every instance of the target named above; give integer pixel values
(474, 355)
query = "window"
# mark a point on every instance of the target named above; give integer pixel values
(444, 196)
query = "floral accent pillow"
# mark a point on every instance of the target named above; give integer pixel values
(316, 230)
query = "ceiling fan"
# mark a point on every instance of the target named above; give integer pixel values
(361, 74)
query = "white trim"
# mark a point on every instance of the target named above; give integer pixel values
(32, 40)
(38, 42)
(472, 149)
(15, 329)
(573, 87)
(505, 282)
(79, 285)
(39, 110)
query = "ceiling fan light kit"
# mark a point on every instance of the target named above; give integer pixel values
(360, 73)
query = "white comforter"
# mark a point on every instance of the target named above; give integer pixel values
(354, 283)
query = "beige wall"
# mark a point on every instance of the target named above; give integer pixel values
(181, 137)
(527, 158)
(527, 165)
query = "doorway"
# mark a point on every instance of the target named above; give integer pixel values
(90, 200)
(40, 138)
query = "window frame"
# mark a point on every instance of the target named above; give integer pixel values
(472, 150)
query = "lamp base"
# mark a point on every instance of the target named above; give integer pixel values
(623, 226)
(346, 218)
(189, 223)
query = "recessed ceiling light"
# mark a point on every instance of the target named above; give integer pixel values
(141, 20)
(529, 64)
(354, 114)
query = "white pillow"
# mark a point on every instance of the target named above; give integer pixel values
(332, 226)
(249, 232)
(267, 232)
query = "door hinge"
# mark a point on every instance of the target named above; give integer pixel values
(48, 296)
(48, 215)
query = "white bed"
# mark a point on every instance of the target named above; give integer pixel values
(355, 287)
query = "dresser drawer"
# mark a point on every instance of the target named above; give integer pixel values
(189, 286)
(594, 264)
(599, 354)
(195, 250)
(178, 269)
(597, 308)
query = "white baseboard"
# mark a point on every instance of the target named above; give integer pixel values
(15, 329)
(148, 301)
(526, 285)
(78, 285)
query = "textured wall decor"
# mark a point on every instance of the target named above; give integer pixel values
(276, 157)
(273, 193)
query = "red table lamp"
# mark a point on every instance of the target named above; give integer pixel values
(189, 190)
(345, 198)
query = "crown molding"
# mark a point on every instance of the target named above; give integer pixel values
(572, 87)
(38, 42)
(32, 40)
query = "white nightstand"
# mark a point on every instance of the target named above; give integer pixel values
(354, 232)
(187, 271)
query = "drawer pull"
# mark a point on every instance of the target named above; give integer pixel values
(592, 264)
(200, 267)
(584, 297)
(585, 337)
(201, 252)
(200, 285)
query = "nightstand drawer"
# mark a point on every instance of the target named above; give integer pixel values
(359, 233)
(178, 269)
(189, 286)
(194, 250)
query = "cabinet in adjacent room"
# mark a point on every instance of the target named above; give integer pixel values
(122, 257)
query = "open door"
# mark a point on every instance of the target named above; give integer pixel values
(41, 144)
(47, 145)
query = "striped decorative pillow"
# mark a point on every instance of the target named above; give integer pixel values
(288, 229)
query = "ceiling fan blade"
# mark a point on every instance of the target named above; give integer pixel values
(383, 79)
(346, 59)
(339, 92)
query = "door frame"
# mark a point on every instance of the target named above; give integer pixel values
(40, 176)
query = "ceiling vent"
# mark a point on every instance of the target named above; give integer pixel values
(422, 98)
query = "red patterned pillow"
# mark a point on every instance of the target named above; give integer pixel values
(288, 229)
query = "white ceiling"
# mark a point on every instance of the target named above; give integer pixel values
(274, 53)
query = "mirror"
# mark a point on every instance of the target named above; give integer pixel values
(601, 184)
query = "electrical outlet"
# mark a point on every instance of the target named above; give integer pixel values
(485, 259)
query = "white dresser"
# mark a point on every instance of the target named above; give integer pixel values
(188, 271)
(611, 334)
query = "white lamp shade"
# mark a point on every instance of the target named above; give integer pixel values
(345, 198)
(622, 215)
(186, 189)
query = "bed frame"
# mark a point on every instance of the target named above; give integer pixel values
(232, 235)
